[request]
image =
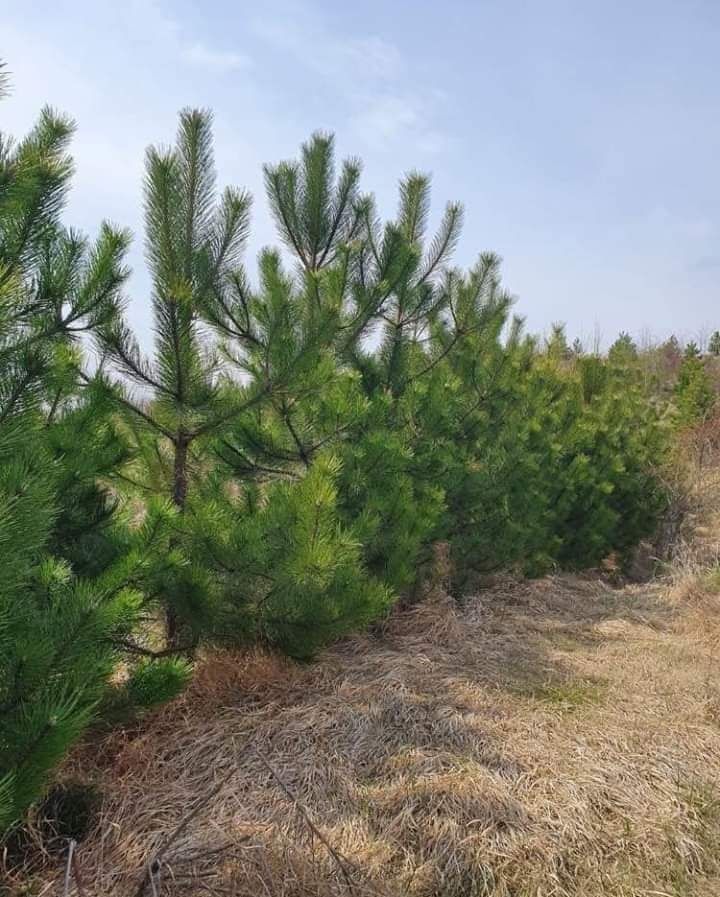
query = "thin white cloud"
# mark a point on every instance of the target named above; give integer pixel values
(384, 120)
(384, 104)
(387, 117)
(376, 56)
(215, 60)
(154, 24)
(313, 45)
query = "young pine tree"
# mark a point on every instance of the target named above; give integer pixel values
(70, 571)
(695, 397)
(714, 343)
(289, 562)
(193, 241)
(57, 629)
(623, 350)
(315, 487)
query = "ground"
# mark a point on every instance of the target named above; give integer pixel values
(546, 739)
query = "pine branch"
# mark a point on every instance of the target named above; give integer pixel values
(445, 241)
(216, 422)
(274, 186)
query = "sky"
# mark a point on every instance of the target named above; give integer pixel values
(582, 136)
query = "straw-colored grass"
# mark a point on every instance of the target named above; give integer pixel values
(547, 739)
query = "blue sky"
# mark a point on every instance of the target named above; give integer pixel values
(583, 137)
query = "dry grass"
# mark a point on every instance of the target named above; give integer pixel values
(549, 738)
(692, 524)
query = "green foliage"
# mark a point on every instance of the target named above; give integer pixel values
(694, 393)
(194, 239)
(556, 344)
(714, 343)
(609, 498)
(288, 570)
(623, 350)
(155, 681)
(394, 509)
(281, 465)
(69, 574)
(566, 472)
(448, 422)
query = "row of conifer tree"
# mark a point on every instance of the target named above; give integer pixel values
(278, 469)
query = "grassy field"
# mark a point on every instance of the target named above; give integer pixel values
(559, 737)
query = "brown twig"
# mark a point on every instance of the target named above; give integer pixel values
(154, 864)
(76, 873)
(342, 862)
(72, 870)
(68, 869)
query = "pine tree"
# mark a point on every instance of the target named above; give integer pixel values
(193, 242)
(334, 406)
(285, 332)
(57, 628)
(623, 350)
(695, 397)
(386, 487)
(556, 344)
(714, 343)
(305, 333)
(671, 347)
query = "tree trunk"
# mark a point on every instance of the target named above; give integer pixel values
(180, 474)
(179, 495)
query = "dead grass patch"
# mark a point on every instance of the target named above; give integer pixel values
(549, 739)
